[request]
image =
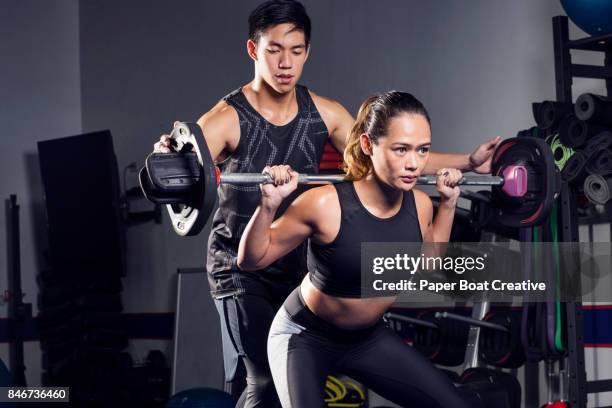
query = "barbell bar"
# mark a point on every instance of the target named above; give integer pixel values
(259, 178)
(523, 180)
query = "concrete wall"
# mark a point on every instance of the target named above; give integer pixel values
(41, 99)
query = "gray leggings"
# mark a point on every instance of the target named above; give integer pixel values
(303, 349)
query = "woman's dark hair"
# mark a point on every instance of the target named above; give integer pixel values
(275, 12)
(373, 118)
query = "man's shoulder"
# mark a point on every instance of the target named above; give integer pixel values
(221, 122)
(324, 102)
(220, 114)
(333, 113)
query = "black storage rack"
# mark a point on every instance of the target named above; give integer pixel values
(565, 71)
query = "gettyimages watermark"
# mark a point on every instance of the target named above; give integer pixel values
(498, 272)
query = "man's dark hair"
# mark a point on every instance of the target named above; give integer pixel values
(275, 12)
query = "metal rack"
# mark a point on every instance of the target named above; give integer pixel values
(565, 71)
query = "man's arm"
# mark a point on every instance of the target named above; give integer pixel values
(339, 122)
(478, 161)
(336, 118)
(221, 128)
(437, 161)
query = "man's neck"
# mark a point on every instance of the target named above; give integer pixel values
(275, 107)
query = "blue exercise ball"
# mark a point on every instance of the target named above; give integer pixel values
(200, 398)
(592, 16)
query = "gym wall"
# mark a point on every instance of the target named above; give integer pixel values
(476, 65)
(40, 92)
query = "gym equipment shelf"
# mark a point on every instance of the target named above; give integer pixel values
(599, 43)
(579, 387)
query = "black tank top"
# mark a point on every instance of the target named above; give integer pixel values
(299, 144)
(335, 268)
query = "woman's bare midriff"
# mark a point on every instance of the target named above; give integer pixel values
(346, 313)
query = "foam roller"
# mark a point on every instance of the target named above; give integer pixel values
(598, 188)
(594, 108)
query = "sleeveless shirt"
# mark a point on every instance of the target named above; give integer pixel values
(299, 144)
(335, 268)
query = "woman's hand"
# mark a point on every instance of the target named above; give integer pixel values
(448, 186)
(284, 182)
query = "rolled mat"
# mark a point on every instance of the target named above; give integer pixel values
(594, 108)
(550, 114)
(535, 132)
(600, 163)
(574, 171)
(575, 132)
(598, 189)
(561, 153)
(535, 110)
(531, 132)
(597, 143)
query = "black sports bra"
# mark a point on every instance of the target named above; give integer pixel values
(335, 268)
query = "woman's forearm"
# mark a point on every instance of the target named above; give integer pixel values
(256, 240)
(443, 222)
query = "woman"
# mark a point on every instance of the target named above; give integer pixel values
(324, 325)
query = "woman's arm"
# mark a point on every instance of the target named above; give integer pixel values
(438, 229)
(265, 240)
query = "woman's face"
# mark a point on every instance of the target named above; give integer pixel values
(400, 156)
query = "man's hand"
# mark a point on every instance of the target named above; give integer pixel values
(480, 159)
(164, 145)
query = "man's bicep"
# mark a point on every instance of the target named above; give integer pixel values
(343, 126)
(336, 118)
(221, 131)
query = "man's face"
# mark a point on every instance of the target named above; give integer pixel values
(279, 56)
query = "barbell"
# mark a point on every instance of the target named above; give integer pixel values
(523, 180)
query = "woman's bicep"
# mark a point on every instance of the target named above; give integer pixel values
(287, 232)
(425, 215)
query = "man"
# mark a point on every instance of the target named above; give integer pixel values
(269, 121)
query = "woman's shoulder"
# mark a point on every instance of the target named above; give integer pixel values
(422, 201)
(318, 197)
(420, 195)
(316, 204)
